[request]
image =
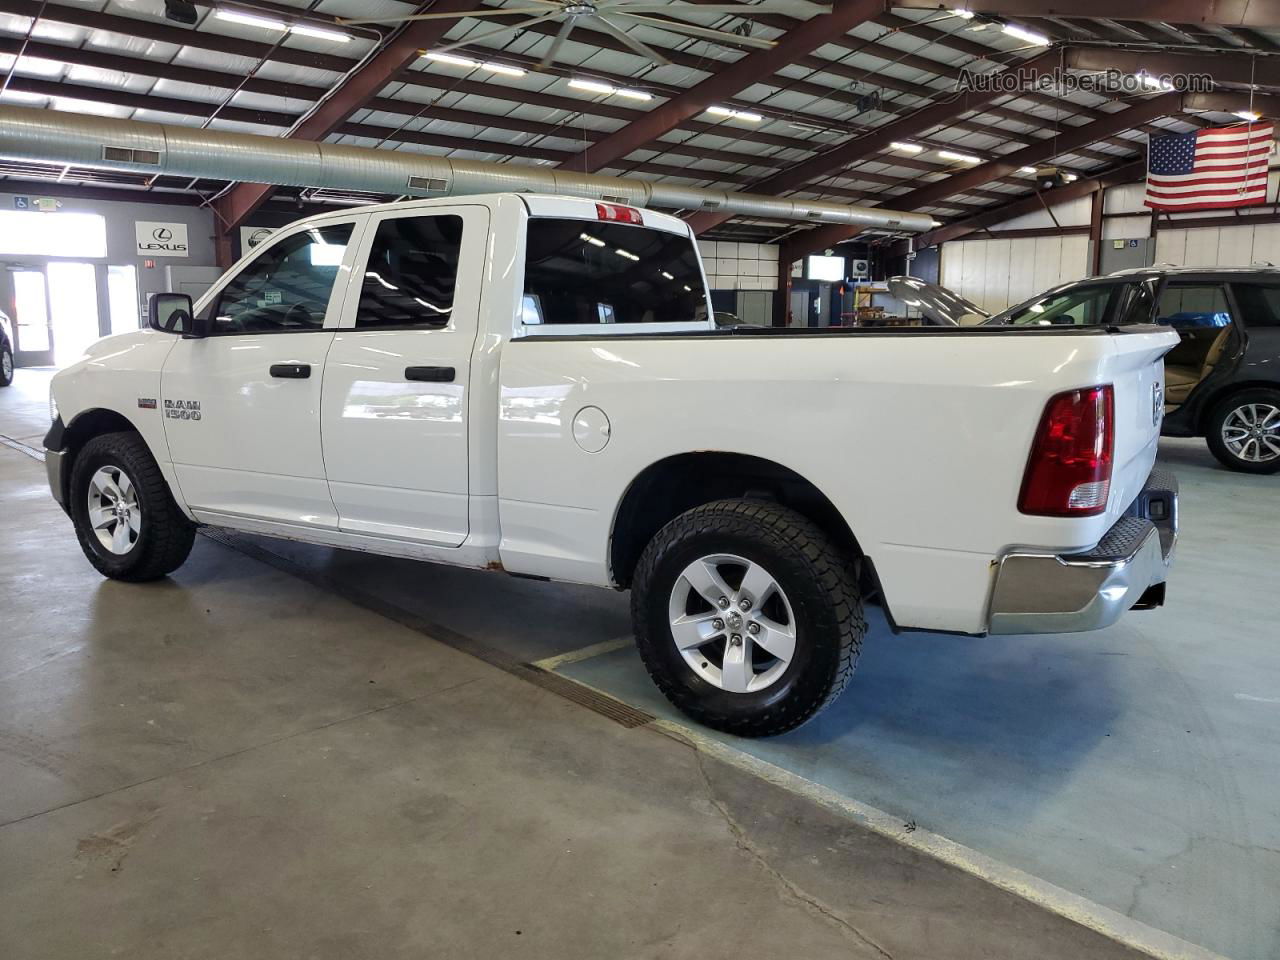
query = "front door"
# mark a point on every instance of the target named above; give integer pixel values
(242, 406)
(396, 381)
(32, 321)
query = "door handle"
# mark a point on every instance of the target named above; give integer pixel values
(291, 371)
(430, 374)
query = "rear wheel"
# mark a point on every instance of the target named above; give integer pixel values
(747, 617)
(126, 520)
(6, 365)
(1243, 431)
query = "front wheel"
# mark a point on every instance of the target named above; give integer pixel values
(1244, 431)
(125, 517)
(748, 618)
(6, 365)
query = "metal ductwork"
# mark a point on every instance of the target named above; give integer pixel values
(151, 148)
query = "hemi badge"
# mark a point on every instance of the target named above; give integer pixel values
(147, 403)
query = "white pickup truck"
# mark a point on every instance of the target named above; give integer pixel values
(535, 384)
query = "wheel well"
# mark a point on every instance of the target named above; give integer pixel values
(1224, 391)
(668, 488)
(90, 424)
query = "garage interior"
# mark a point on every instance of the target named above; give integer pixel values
(287, 749)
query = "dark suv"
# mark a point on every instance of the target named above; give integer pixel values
(1222, 382)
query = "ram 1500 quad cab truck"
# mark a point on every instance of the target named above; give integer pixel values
(536, 384)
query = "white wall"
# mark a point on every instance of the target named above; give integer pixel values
(1219, 246)
(996, 274)
(740, 266)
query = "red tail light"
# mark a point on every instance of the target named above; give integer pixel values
(617, 213)
(1069, 472)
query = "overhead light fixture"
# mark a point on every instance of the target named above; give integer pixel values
(181, 11)
(319, 33)
(735, 114)
(958, 157)
(1028, 36)
(633, 94)
(1152, 83)
(503, 69)
(907, 147)
(1069, 178)
(593, 86)
(451, 58)
(962, 14)
(626, 253)
(1249, 115)
(594, 241)
(667, 275)
(251, 20)
(1030, 170)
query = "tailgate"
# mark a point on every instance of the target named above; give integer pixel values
(1137, 375)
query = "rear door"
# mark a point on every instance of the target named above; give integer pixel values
(394, 415)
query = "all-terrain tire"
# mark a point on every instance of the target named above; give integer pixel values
(165, 535)
(1259, 397)
(820, 585)
(6, 365)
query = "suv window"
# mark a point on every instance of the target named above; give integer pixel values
(1259, 305)
(1194, 305)
(286, 288)
(582, 271)
(412, 270)
(1137, 304)
(1076, 306)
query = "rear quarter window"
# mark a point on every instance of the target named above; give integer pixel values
(584, 272)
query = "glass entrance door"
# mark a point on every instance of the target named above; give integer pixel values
(33, 336)
(73, 305)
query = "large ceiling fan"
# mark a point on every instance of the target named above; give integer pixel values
(613, 17)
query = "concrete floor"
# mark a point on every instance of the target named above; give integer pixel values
(242, 762)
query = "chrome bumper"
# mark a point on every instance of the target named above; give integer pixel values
(1052, 593)
(53, 470)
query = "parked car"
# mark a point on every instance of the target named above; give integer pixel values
(1222, 381)
(6, 350)
(536, 384)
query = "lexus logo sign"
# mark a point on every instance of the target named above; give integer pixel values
(161, 239)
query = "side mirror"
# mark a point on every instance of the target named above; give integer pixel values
(172, 313)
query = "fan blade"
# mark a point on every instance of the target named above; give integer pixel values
(476, 38)
(504, 12)
(794, 7)
(643, 49)
(550, 56)
(691, 30)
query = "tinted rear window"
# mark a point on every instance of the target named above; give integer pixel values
(583, 271)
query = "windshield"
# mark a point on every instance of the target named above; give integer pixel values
(1079, 306)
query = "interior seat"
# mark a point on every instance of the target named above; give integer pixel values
(1180, 379)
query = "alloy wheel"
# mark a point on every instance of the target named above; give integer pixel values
(114, 514)
(1252, 432)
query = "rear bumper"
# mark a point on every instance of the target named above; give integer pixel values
(1068, 593)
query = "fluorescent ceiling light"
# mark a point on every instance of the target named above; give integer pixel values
(251, 20)
(1069, 178)
(503, 69)
(450, 58)
(958, 157)
(962, 14)
(1152, 83)
(907, 147)
(319, 33)
(1249, 115)
(1030, 36)
(594, 241)
(626, 253)
(1030, 170)
(735, 114)
(633, 94)
(667, 275)
(592, 86)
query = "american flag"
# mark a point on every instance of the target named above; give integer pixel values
(1216, 167)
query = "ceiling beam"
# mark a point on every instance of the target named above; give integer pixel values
(1227, 13)
(1230, 101)
(801, 244)
(349, 95)
(1125, 173)
(938, 114)
(726, 82)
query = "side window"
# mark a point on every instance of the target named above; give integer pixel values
(1076, 306)
(1260, 305)
(1136, 307)
(411, 274)
(590, 272)
(287, 287)
(1189, 305)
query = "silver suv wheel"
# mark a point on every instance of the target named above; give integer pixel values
(1252, 432)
